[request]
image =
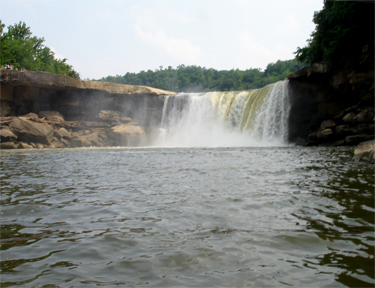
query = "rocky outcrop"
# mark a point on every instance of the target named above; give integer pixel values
(365, 151)
(60, 111)
(30, 131)
(57, 82)
(331, 107)
(348, 127)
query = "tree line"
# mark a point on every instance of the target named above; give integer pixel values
(24, 51)
(198, 79)
(343, 36)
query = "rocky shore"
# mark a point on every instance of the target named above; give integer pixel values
(332, 108)
(40, 110)
(50, 130)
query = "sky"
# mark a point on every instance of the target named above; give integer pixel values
(113, 37)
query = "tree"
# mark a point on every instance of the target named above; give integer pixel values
(24, 51)
(198, 79)
(344, 29)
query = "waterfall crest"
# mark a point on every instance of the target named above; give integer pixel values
(256, 117)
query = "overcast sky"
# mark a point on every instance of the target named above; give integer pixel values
(112, 37)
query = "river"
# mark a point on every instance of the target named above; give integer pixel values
(187, 217)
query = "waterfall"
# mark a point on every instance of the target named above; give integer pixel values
(256, 117)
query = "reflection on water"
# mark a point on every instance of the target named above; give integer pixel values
(187, 217)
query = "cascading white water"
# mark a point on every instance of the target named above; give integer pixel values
(256, 117)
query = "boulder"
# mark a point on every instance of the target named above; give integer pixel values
(86, 140)
(126, 135)
(343, 130)
(365, 116)
(57, 143)
(365, 150)
(46, 114)
(24, 145)
(349, 118)
(30, 131)
(55, 118)
(9, 145)
(79, 142)
(30, 116)
(356, 139)
(63, 133)
(324, 134)
(39, 146)
(109, 116)
(327, 124)
(6, 135)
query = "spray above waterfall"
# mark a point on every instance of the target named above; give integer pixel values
(256, 117)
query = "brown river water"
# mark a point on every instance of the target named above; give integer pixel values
(187, 217)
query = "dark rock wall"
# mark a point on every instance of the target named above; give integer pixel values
(80, 104)
(318, 94)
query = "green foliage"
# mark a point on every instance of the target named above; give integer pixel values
(197, 79)
(24, 51)
(343, 30)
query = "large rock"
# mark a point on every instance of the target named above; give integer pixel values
(127, 135)
(63, 133)
(365, 150)
(9, 145)
(324, 134)
(356, 139)
(87, 140)
(30, 131)
(6, 135)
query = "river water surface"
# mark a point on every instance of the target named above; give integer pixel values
(185, 217)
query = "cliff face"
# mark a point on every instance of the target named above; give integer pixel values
(319, 94)
(30, 91)
(78, 106)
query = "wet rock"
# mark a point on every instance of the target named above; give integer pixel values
(30, 116)
(24, 145)
(57, 143)
(126, 135)
(6, 135)
(63, 133)
(46, 114)
(55, 118)
(9, 145)
(39, 146)
(86, 140)
(356, 139)
(324, 134)
(365, 151)
(327, 124)
(349, 118)
(365, 116)
(343, 130)
(30, 131)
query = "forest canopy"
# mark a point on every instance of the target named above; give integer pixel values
(198, 79)
(24, 51)
(344, 32)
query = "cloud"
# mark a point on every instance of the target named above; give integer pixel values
(254, 55)
(179, 48)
